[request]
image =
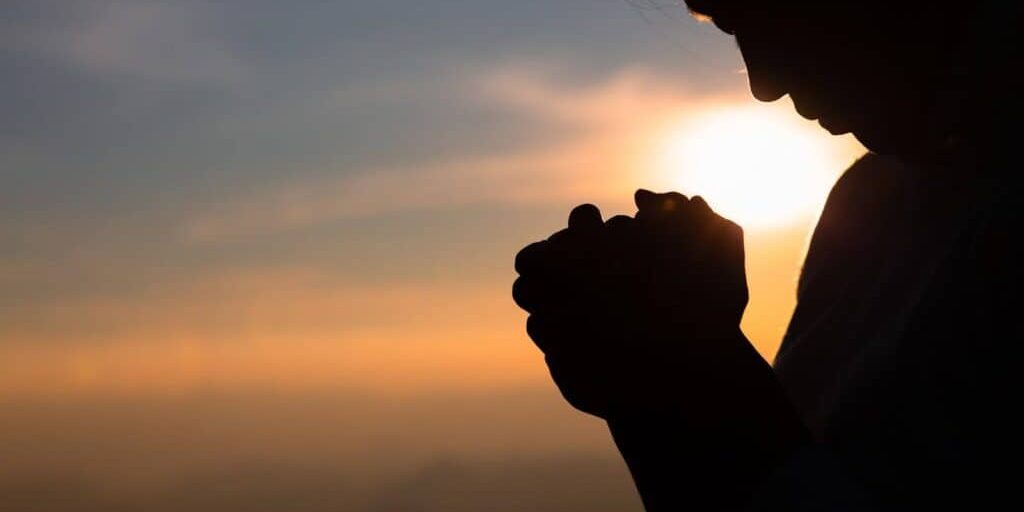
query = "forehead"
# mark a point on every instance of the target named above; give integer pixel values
(719, 7)
(713, 7)
(724, 11)
(728, 13)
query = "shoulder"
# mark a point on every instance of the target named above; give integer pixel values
(863, 187)
(860, 201)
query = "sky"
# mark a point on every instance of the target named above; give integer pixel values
(258, 255)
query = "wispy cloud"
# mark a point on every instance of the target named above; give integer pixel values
(157, 40)
(167, 42)
(608, 123)
(629, 93)
(514, 179)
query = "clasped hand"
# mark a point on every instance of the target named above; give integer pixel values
(641, 314)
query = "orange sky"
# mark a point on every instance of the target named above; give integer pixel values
(310, 327)
(255, 253)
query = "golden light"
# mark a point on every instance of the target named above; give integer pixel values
(759, 166)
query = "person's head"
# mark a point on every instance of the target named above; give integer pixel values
(876, 68)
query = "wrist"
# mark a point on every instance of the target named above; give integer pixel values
(678, 463)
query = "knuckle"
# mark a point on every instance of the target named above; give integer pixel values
(559, 237)
(585, 217)
(521, 294)
(584, 209)
(675, 196)
(733, 229)
(528, 258)
(619, 221)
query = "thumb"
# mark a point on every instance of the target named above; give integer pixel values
(650, 206)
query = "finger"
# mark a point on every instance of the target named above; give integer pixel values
(541, 332)
(526, 295)
(559, 236)
(645, 200)
(553, 335)
(672, 200)
(660, 207)
(699, 207)
(529, 259)
(733, 239)
(674, 205)
(719, 238)
(729, 249)
(619, 222)
(585, 217)
(618, 248)
(705, 221)
(619, 232)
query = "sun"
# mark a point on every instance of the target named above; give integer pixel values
(760, 167)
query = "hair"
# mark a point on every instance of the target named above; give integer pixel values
(705, 8)
(699, 8)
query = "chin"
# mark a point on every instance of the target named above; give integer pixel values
(874, 143)
(883, 143)
(833, 128)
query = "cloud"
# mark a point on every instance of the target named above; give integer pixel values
(164, 42)
(606, 124)
(370, 192)
(156, 40)
(627, 93)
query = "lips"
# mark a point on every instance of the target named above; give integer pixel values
(833, 127)
(826, 117)
(807, 109)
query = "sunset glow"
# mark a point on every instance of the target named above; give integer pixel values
(260, 256)
(757, 166)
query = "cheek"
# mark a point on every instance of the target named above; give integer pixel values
(874, 88)
(890, 126)
(892, 100)
(767, 77)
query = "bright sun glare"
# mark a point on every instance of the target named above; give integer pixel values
(759, 167)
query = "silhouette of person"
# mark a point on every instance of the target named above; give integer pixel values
(894, 386)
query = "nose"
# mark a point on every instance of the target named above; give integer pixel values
(764, 74)
(764, 88)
